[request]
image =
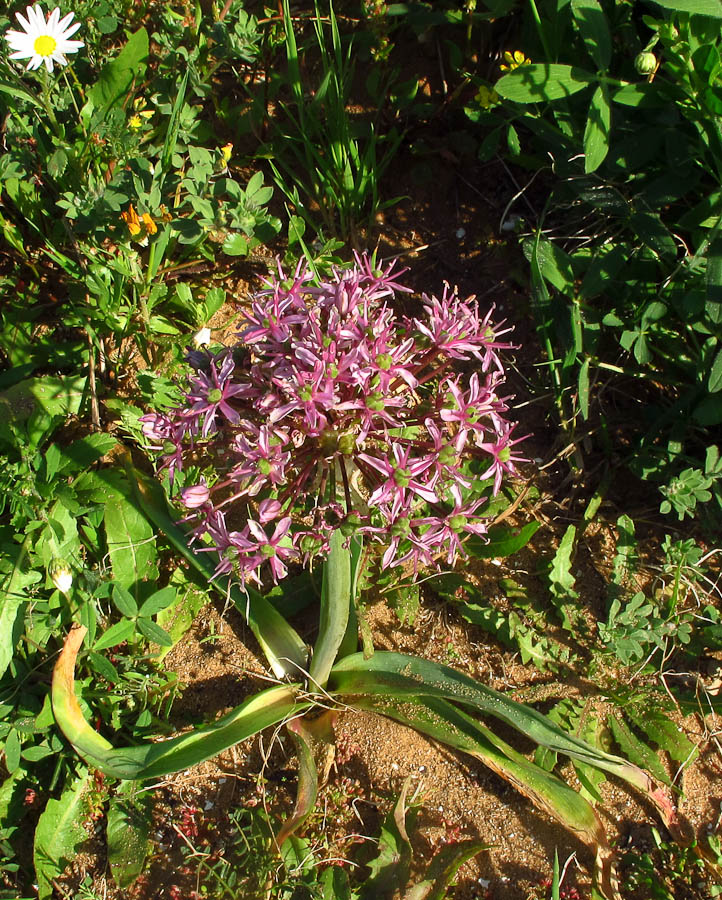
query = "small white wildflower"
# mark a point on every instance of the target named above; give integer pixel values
(60, 575)
(41, 41)
(202, 338)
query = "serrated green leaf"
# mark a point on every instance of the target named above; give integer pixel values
(391, 867)
(561, 580)
(664, 732)
(59, 833)
(177, 618)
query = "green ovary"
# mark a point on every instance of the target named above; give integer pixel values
(215, 396)
(402, 477)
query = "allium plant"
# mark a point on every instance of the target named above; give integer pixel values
(336, 411)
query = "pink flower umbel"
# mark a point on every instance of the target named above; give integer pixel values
(336, 412)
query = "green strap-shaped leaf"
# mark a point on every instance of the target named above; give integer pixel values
(151, 760)
(335, 606)
(442, 721)
(395, 675)
(307, 787)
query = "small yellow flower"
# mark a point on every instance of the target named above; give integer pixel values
(226, 151)
(148, 224)
(487, 97)
(140, 113)
(514, 60)
(138, 226)
(131, 220)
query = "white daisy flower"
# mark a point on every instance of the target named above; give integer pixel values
(41, 41)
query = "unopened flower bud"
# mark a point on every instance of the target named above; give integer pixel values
(268, 510)
(195, 495)
(645, 63)
(60, 575)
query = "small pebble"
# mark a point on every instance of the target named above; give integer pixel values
(209, 804)
(460, 233)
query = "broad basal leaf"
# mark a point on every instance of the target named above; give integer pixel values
(128, 828)
(59, 833)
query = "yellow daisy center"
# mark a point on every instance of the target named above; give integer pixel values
(45, 45)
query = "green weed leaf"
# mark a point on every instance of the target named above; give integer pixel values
(128, 828)
(118, 75)
(712, 8)
(540, 82)
(596, 132)
(594, 29)
(131, 544)
(59, 833)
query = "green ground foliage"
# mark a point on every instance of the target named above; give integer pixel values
(187, 145)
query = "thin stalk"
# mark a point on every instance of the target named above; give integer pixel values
(540, 29)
